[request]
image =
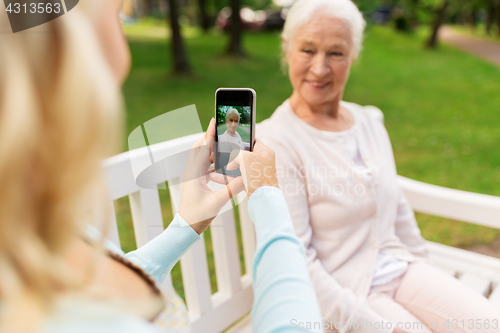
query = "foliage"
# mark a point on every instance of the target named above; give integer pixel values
(257, 4)
(216, 5)
(422, 12)
(244, 112)
(369, 6)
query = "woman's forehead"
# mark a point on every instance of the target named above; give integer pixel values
(324, 30)
(231, 116)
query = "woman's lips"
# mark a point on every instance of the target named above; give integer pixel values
(318, 84)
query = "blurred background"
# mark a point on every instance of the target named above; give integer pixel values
(431, 66)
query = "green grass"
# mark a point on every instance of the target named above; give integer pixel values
(441, 107)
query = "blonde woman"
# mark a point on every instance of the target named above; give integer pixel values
(59, 117)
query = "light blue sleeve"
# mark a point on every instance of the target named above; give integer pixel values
(284, 298)
(74, 315)
(159, 255)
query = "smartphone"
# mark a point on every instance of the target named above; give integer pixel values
(235, 118)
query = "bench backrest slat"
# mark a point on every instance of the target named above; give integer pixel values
(453, 204)
(225, 247)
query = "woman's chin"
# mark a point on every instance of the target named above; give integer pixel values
(318, 98)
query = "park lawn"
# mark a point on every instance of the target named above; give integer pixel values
(441, 109)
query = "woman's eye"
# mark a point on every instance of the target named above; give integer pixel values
(307, 51)
(337, 54)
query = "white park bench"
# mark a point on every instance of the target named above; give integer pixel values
(230, 305)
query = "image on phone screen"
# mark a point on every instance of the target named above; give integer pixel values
(234, 117)
(233, 127)
(233, 130)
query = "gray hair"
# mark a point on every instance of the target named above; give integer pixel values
(303, 11)
(231, 112)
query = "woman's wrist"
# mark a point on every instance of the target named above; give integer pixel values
(191, 217)
(268, 209)
(263, 183)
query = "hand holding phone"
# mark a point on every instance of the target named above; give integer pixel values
(258, 168)
(199, 205)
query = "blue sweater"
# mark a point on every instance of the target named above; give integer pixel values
(284, 298)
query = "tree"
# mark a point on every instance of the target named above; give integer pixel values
(202, 12)
(498, 17)
(437, 23)
(414, 6)
(179, 55)
(490, 15)
(473, 16)
(235, 46)
(142, 7)
(369, 6)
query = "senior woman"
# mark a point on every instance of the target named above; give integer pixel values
(231, 137)
(59, 117)
(366, 257)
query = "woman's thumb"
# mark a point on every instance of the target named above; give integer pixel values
(226, 193)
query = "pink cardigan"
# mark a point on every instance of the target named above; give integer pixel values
(343, 218)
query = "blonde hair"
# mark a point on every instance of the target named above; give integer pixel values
(59, 117)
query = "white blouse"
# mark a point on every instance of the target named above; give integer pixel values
(228, 143)
(387, 267)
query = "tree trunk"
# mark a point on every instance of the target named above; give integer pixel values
(413, 14)
(145, 7)
(473, 18)
(179, 55)
(498, 17)
(204, 20)
(235, 47)
(490, 15)
(438, 22)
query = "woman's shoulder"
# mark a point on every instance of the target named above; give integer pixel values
(369, 122)
(368, 118)
(365, 113)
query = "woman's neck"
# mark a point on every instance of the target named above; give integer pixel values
(329, 116)
(233, 134)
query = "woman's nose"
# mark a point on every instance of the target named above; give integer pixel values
(319, 66)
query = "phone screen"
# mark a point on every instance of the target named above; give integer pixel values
(234, 116)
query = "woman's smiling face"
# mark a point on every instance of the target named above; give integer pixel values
(232, 123)
(319, 60)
